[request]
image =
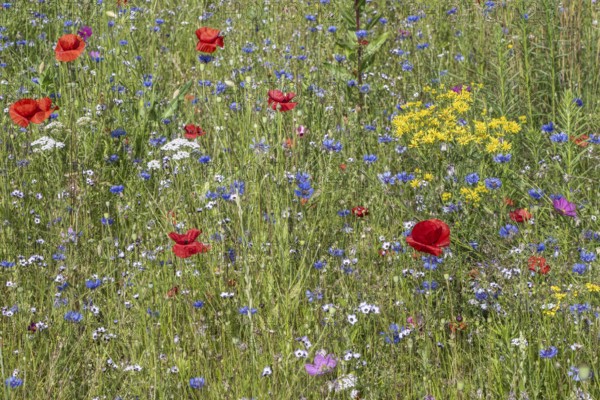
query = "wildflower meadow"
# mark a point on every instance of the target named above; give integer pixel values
(300, 199)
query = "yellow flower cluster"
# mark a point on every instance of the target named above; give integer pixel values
(421, 179)
(473, 195)
(446, 121)
(593, 288)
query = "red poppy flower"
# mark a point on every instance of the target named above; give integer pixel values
(188, 250)
(26, 111)
(538, 264)
(520, 215)
(581, 140)
(193, 131)
(208, 40)
(186, 245)
(186, 238)
(429, 236)
(281, 101)
(343, 167)
(508, 201)
(69, 47)
(360, 211)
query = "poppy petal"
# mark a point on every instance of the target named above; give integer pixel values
(206, 47)
(426, 232)
(18, 119)
(276, 95)
(185, 238)
(188, 250)
(433, 250)
(207, 35)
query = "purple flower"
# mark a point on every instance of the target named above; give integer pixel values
(85, 32)
(322, 365)
(564, 207)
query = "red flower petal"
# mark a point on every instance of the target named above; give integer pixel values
(185, 238)
(207, 35)
(26, 111)
(276, 96)
(69, 47)
(188, 250)
(429, 236)
(206, 47)
(433, 250)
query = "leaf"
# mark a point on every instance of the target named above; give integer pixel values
(177, 100)
(371, 24)
(338, 72)
(376, 44)
(47, 82)
(349, 19)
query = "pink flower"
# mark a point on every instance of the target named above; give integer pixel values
(322, 365)
(85, 32)
(564, 207)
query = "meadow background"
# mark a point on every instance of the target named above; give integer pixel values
(96, 305)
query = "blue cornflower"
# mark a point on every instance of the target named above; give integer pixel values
(579, 268)
(361, 34)
(472, 179)
(385, 139)
(197, 383)
(412, 18)
(594, 139)
(311, 296)
(107, 221)
(536, 193)
(351, 83)
(586, 256)
(452, 11)
(73, 316)
(310, 18)
(578, 102)
(343, 213)
(93, 283)
(405, 177)
(339, 58)
(319, 264)
(305, 189)
(369, 159)
(145, 175)
(332, 146)
(365, 88)
(7, 264)
(508, 231)
(493, 183)
(247, 311)
(205, 58)
(117, 189)
(430, 263)
(481, 295)
(332, 29)
(198, 304)
(548, 128)
(549, 352)
(13, 382)
(204, 159)
(387, 178)
(559, 137)
(502, 158)
(579, 308)
(158, 141)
